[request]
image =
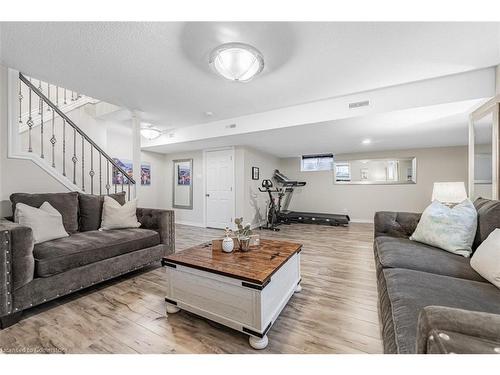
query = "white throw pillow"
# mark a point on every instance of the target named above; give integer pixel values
(45, 222)
(116, 216)
(486, 258)
(449, 228)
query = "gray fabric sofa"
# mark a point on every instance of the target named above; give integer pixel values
(33, 274)
(430, 300)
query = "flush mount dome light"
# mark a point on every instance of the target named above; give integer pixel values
(236, 61)
(149, 132)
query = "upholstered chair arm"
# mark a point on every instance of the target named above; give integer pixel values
(443, 330)
(17, 265)
(395, 224)
(162, 221)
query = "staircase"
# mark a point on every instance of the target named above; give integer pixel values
(49, 137)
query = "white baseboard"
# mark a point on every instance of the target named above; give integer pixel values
(190, 223)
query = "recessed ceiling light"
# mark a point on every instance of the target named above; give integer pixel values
(209, 113)
(149, 132)
(236, 61)
(366, 141)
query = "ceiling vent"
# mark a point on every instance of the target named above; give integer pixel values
(364, 103)
(232, 126)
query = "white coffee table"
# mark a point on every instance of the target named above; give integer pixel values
(245, 291)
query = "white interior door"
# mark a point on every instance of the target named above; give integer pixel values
(219, 196)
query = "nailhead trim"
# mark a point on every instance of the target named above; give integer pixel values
(497, 350)
(444, 336)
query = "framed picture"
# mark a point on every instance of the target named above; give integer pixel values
(127, 166)
(183, 184)
(183, 174)
(145, 173)
(255, 173)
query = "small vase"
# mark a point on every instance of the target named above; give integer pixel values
(244, 243)
(227, 244)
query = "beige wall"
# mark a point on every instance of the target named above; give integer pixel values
(255, 202)
(362, 201)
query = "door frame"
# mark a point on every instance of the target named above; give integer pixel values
(492, 107)
(233, 210)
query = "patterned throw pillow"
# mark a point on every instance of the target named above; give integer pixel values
(449, 228)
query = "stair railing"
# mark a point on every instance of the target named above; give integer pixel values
(122, 176)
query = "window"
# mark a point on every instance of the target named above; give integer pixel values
(322, 162)
(342, 171)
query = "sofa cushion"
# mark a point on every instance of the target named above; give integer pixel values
(91, 209)
(408, 292)
(79, 249)
(65, 203)
(488, 219)
(403, 253)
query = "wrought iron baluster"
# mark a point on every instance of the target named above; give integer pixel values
(91, 173)
(100, 174)
(128, 186)
(65, 101)
(64, 149)
(40, 101)
(107, 178)
(29, 122)
(83, 163)
(41, 129)
(57, 96)
(74, 159)
(48, 96)
(123, 181)
(53, 140)
(20, 97)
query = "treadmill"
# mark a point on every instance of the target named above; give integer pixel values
(286, 216)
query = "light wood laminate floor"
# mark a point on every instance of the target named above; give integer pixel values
(336, 312)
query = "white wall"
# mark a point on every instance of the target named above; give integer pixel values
(362, 201)
(119, 145)
(18, 175)
(249, 202)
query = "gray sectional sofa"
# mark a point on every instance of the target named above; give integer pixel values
(430, 300)
(33, 274)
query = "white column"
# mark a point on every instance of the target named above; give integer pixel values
(136, 152)
(497, 81)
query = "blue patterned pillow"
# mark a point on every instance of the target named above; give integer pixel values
(451, 229)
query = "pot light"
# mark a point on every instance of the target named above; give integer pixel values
(149, 132)
(366, 141)
(236, 61)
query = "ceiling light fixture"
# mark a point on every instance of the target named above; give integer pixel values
(149, 132)
(366, 141)
(236, 61)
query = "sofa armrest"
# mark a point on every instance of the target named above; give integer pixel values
(395, 224)
(448, 330)
(17, 265)
(162, 221)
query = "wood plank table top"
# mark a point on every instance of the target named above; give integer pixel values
(255, 266)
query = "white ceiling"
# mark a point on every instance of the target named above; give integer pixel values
(431, 126)
(161, 69)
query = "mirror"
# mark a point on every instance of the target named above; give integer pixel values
(183, 184)
(376, 171)
(483, 160)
